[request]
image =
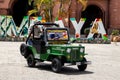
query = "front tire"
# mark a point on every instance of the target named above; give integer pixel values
(31, 61)
(83, 66)
(56, 65)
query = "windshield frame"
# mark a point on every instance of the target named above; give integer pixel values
(57, 39)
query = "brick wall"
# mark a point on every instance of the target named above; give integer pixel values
(114, 12)
(103, 5)
(110, 8)
(3, 11)
(4, 6)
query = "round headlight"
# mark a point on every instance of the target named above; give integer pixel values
(68, 50)
(82, 50)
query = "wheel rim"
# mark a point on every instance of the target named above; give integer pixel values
(54, 65)
(83, 66)
(22, 50)
(30, 60)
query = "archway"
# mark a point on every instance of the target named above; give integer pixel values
(19, 10)
(91, 13)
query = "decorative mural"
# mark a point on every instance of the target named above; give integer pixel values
(8, 27)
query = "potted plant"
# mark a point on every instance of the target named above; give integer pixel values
(114, 34)
(86, 31)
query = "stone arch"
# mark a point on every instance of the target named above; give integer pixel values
(18, 9)
(92, 12)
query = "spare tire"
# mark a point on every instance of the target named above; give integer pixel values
(23, 49)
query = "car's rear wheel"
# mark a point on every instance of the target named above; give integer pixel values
(83, 66)
(31, 61)
(56, 65)
(23, 48)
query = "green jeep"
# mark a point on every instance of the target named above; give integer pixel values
(53, 45)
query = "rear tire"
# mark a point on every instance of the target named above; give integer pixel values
(31, 61)
(56, 65)
(23, 48)
(83, 66)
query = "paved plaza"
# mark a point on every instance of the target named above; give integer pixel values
(105, 64)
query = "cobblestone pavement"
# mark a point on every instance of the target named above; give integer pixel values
(105, 64)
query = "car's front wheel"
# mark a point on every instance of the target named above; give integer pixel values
(83, 66)
(56, 65)
(31, 61)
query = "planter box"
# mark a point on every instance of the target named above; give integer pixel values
(115, 38)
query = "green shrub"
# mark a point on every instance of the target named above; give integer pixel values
(115, 32)
(86, 31)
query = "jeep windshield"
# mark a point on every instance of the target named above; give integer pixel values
(57, 34)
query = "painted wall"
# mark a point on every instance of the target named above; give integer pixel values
(9, 29)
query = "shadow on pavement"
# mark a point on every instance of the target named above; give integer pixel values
(74, 71)
(65, 70)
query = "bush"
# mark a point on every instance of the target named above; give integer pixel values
(86, 31)
(115, 32)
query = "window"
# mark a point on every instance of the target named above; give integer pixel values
(57, 35)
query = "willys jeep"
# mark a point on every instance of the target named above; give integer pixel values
(53, 45)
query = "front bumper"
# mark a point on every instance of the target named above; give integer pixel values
(78, 63)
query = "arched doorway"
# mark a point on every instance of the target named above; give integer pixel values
(19, 9)
(91, 13)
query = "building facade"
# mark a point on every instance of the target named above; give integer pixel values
(107, 10)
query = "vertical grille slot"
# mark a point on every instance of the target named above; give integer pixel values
(74, 54)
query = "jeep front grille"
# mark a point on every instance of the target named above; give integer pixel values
(74, 54)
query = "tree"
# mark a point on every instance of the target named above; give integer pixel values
(42, 8)
(84, 3)
(64, 8)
